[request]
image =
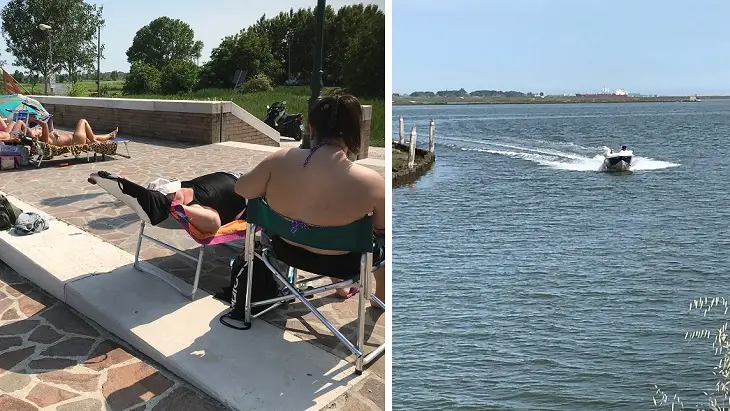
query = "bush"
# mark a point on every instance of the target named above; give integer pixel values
(179, 76)
(259, 82)
(142, 79)
(78, 90)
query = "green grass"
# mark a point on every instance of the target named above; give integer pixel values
(296, 102)
(83, 88)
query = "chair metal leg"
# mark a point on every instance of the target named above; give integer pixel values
(363, 298)
(312, 308)
(197, 272)
(249, 253)
(139, 245)
(140, 267)
(377, 301)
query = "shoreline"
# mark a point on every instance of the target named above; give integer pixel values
(400, 101)
(401, 174)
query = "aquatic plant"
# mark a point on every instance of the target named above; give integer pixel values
(719, 399)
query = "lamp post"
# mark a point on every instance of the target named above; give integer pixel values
(288, 44)
(316, 83)
(98, 62)
(46, 27)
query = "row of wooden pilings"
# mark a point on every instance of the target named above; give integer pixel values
(412, 141)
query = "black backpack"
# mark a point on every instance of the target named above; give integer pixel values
(263, 287)
(8, 213)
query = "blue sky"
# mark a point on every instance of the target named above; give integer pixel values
(211, 21)
(556, 46)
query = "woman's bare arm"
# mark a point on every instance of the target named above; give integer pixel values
(204, 219)
(379, 207)
(253, 184)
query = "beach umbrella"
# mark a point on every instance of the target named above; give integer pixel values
(13, 102)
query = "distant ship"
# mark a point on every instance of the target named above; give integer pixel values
(606, 93)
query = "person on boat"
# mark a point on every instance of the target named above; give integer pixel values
(209, 201)
(623, 148)
(83, 134)
(320, 186)
(611, 151)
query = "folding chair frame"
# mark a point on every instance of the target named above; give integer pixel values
(157, 272)
(291, 281)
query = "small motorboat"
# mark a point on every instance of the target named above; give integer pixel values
(620, 161)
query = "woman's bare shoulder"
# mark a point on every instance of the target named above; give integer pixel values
(367, 175)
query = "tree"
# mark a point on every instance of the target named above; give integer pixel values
(19, 76)
(162, 41)
(339, 34)
(73, 35)
(363, 68)
(142, 79)
(353, 53)
(77, 52)
(179, 76)
(248, 51)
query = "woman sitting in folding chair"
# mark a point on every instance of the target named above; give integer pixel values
(321, 186)
(208, 201)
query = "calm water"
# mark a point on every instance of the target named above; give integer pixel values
(523, 278)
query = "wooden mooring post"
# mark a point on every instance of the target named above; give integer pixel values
(431, 141)
(401, 132)
(412, 149)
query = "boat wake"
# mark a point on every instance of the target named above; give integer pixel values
(562, 156)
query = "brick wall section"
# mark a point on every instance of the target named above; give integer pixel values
(235, 129)
(163, 125)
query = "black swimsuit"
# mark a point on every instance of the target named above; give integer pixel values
(217, 191)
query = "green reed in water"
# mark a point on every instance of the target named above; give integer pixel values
(719, 399)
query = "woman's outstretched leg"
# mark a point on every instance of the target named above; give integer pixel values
(85, 135)
(155, 204)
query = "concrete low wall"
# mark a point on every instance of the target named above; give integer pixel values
(367, 117)
(203, 122)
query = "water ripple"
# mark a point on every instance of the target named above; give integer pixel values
(521, 284)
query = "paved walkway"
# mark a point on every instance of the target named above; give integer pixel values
(53, 359)
(64, 193)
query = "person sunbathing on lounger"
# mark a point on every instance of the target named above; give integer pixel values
(83, 134)
(321, 186)
(7, 128)
(209, 201)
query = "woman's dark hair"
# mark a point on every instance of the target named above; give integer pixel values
(338, 118)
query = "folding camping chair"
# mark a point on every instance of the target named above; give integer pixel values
(355, 237)
(233, 231)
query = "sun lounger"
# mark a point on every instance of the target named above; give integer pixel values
(126, 145)
(233, 231)
(43, 151)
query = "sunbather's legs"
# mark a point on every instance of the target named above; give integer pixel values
(154, 203)
(5, 134)
(85, 135)
(5, 137)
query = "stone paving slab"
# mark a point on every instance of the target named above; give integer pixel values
(52, 358)
(64, 193)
